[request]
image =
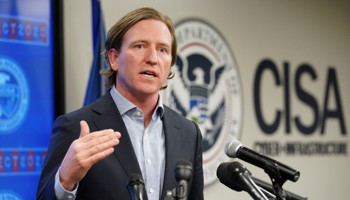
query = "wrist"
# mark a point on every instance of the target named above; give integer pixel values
(66, 184)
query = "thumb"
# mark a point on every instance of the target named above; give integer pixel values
(84, 129)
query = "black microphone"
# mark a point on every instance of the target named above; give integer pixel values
(235, 149)
(136, 186)
(224, 177)
(240, 179)
(183, 174)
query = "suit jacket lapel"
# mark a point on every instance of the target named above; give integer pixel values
(109, 118)
(173, 146)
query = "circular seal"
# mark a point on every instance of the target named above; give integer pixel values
(9, 195)
(206, 89)
(14, 95)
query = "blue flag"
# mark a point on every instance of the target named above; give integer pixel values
(96, 86)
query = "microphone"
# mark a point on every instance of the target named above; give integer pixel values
(235, 176)
(235, 149)
(136, 186)
(225, 177)
(183, 174)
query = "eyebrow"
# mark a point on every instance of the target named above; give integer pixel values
(146, 41)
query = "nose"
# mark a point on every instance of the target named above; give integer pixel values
(151, 57)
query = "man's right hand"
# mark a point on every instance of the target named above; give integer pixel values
(85, 151)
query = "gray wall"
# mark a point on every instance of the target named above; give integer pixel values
(297, 32)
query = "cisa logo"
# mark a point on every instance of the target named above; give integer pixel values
(14, 95)
(206, 89)
(9, 195)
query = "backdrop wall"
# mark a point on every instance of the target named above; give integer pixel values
(306, 41)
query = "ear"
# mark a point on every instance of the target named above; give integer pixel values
(112, 56)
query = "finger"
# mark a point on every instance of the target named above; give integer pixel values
(101, 139)
(98, 148)
(84, 129)
(97, 135)
(99, 156)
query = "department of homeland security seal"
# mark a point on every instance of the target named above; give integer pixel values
(206, 88)
(14, 95)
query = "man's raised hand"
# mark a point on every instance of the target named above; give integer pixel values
(85, 151)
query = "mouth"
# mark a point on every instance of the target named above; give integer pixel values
(149, 74)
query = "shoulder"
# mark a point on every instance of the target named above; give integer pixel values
(98, 107)
(75, 116)
(179, 120)
(175, 115)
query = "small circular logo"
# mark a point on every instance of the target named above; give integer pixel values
(14, 95)
(9, 195)
(206, 89)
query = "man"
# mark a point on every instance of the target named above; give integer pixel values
(128, 130)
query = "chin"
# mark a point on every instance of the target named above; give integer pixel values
(149, 90)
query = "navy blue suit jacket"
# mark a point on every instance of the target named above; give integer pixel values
(107, 178)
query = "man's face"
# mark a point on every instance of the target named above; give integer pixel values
(144, 60)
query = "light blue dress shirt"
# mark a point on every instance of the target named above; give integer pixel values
(148, 143)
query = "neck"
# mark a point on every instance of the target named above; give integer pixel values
(146, 103)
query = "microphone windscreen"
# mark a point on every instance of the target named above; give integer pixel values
(225, 177)
(182, 163)
(221, 169)
(231, 148)
(235, 167)
(135, 179)
(183, 170)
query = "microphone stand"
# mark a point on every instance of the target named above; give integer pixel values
(266, 193)
(268, 187)
(169, 195)
(178, 193)
(273, 170)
